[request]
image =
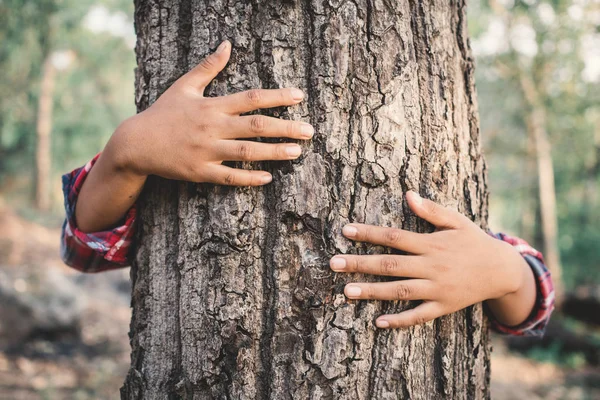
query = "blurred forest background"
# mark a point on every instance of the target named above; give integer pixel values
(67, 81)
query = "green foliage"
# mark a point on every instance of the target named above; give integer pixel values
(555, 354)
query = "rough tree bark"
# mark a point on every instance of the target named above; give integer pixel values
(232, 294)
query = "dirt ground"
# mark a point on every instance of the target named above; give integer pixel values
(87, 356)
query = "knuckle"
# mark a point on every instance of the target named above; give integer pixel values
(202, 126)
(208, 108)
(279, 152)
(229, 179)
(439, 245)
(420, 319)
(257, 123)
(441, 268)
(388, 266)
(395, 324)
(291, 129)
(254, 180)
(361, 264)
(392, 236)
(208, 63)
(195, 173)
(433, 209)
(245, 152)
(370, 293)
(353, 264)
(365, 233)
(253, 96)
(402, 292)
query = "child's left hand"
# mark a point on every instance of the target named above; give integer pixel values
(450, 269)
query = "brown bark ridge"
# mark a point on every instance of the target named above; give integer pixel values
(233, 297)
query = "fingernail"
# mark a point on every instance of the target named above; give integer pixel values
(382, 323)
(418, 199)
(338, 263)
(293, 151)
(266, 179)
(222, 47)
(297, 94)
(307, 131)
(353, 291)
(349, 231)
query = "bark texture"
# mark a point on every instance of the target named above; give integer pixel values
(233, 297)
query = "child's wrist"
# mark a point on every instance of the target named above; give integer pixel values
(122, 150)
(516, 268)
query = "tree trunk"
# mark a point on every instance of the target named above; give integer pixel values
(44, 127)
(233, 297)
(528, 228)
(590, 193)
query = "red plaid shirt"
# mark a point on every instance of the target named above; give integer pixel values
(101, 251)
(98, 251)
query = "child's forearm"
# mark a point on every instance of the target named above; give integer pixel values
(111, 187)
(513, 308)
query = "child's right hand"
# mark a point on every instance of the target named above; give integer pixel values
(187, 136)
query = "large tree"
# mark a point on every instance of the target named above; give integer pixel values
(232, 294)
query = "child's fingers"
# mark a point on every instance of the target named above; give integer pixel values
(385, 265)
(440, 216)
(240, 150)
(419, 315)
(223, 175)
(203, 73)
(412, 289)
(400, 239)
(261, 126)
(255, 99)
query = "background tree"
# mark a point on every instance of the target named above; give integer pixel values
(44, 128)
(232, 294)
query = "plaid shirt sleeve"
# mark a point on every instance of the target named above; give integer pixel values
(535, 324)
(98, 251)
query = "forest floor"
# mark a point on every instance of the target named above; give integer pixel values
(63, 335)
